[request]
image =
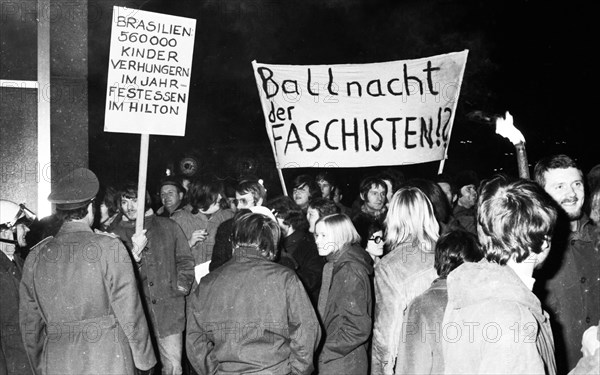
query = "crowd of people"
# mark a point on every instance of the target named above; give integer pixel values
(451, 275)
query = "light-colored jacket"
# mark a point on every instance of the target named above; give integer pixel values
(400, 276)
(494, 324)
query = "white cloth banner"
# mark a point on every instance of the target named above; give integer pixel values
(359, 115)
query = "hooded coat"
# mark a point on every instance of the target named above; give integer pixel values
(494, 324)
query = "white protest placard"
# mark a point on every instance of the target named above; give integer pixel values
(149, 72)
(359, 115)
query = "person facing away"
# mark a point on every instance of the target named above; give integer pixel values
(80, 310)
(248, 194)
(346, 300)
(420, 349)
(252, 315)
(493, 323)
(404, 273)
(569, 283)
(165, 273)
(298, 244)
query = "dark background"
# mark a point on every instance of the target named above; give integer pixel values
(528, 57)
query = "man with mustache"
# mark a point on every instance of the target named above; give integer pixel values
(572, 274)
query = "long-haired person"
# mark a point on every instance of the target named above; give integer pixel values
(404, 273)
(345, 301)
(252, 315)
(201, 218)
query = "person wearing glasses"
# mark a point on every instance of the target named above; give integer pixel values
(371, 234)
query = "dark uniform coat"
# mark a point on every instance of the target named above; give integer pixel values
(13, 359)
(80, 310)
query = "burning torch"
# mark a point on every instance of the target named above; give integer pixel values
(505, 127)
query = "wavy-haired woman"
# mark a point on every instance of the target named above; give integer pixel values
(405, 272)
(345, 301)
(252, 315)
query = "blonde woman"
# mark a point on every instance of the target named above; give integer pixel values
(404, 273)
(345, 299)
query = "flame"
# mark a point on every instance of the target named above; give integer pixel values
(505, 128)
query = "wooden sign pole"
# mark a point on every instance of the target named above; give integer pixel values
(143, 171)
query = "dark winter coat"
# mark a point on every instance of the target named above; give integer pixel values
(571, 277)
(166, 264)
(80, 310)
(13, 359)
(301, 246)
(348, 316)
(251, 315)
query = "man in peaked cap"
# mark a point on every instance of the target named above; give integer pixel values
(80, 310)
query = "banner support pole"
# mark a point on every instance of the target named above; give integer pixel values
(282, 182)
(143, 171)
(441, 167)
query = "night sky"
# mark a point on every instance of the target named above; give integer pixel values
(524, 56)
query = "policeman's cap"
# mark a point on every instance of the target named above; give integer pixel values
(75, 189)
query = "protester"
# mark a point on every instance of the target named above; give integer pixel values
(201, 218)
(248, 194)
(318, 208)
(345, 301)
(570, 281)
(508, 331)
(404, 273)
(420, 349)
(109, 208)
(441, 207)
(393, 180)
(466, 183)
(171, 195)
(327, 183)
(77, 280)
(304, 190)
(252, 315)
(446, 182)
(338, 195)
(165, 273)
(299, 244)
(373, 192)
(370, 231)
(13, 358)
